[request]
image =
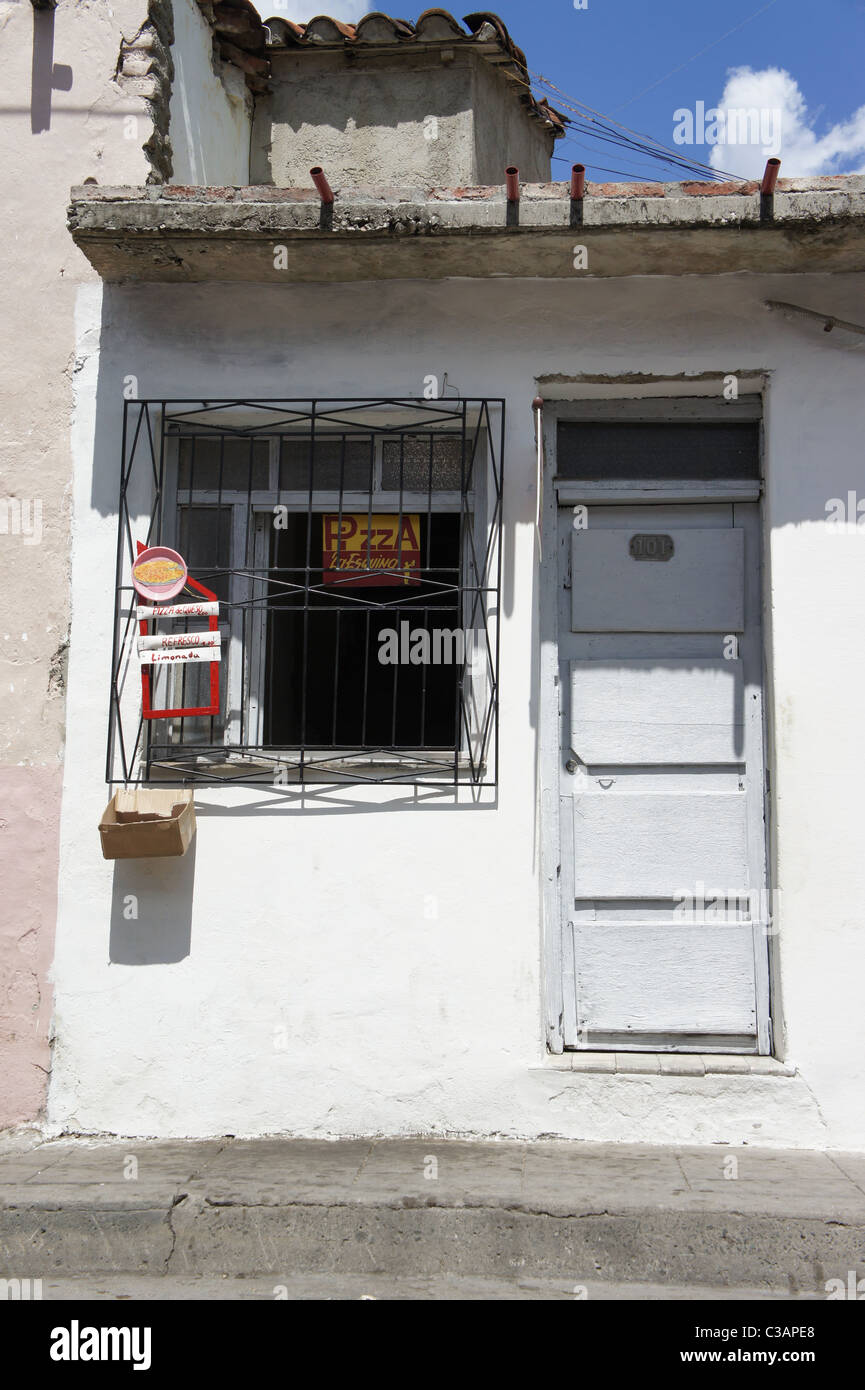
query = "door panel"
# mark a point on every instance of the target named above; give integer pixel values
(648, 711)
(658, 846)
(661, 780)
(659, 979)
(700, 588)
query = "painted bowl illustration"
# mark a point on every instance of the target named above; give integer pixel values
(159, 573)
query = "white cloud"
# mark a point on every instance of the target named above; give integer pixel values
(775, 93)
(346, 11)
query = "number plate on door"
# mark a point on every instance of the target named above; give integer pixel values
(650, 547)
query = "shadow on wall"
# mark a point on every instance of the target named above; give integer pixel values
(46, 76)
(231, 340)
(151, 910)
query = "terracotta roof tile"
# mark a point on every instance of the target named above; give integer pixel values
(322, 29)
(438, 24)
(284, 31)
(374, 28)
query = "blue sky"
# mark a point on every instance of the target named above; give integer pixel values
(609, 53)
(797, 63)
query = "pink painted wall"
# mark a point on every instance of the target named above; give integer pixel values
(29, 840)
(103, 48)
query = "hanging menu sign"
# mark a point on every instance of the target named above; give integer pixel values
(178, 641)
(191, 655)
(176, 610)
(170, 648)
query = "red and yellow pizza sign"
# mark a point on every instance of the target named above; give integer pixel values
(360, 549)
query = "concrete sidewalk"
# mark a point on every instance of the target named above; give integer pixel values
(744, 1220)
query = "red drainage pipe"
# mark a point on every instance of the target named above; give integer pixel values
(770, 177)
(578, 190)
(767, 190)
(512, 187)
(321, 183)
(578, 181)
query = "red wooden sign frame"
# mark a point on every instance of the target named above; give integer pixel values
(212, 626)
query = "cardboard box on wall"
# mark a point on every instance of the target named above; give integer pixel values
(147, 823)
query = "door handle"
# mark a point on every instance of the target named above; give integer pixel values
(571, 766)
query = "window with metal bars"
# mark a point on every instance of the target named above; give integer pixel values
(355, 548)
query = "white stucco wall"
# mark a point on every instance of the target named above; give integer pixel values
(410, 120)
(314, 996)
(210, 110)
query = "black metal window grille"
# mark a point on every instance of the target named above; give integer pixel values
(258, 497)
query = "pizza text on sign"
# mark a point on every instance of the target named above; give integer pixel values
(363, 549)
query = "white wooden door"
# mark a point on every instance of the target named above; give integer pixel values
(663, 859)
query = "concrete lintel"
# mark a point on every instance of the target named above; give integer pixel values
(199, 234)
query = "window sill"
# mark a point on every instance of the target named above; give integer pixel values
(665, 1064)
(266, 768)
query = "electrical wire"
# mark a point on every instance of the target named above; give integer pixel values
(583, 145)
(685, 166)
(660, 153)
(591, 123)
(588, 113)
(603, 169)
(668, 158)
(627, 174)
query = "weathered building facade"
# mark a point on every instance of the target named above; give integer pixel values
(551, 829)
(82, 99)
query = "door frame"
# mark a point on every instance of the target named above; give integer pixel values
(554, 495)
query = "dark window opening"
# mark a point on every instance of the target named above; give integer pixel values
(592, 451)
(326, 685)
